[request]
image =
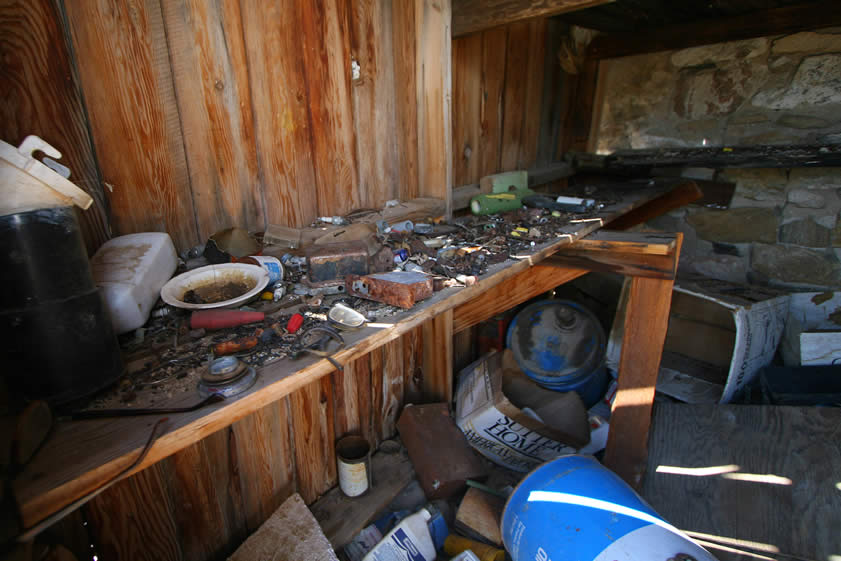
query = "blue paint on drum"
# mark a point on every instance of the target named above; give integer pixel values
(575, 509)
(561, 345)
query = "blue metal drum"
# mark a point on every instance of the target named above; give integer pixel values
(561, 345)
(575, 509)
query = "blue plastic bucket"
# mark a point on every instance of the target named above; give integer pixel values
(575, 509)
(561, 345)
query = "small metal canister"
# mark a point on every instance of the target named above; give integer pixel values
(353, 458)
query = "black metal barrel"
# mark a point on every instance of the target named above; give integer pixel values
(57, 340)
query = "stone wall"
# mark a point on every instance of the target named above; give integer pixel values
(782, 227)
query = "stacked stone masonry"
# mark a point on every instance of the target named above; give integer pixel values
(782, 226)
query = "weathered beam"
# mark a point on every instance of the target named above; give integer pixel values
(646, 321)
(437, 382)
(776, 21)
(626, 254)
(475, 15)
(524, 286)
(765, 156)
(684, 193)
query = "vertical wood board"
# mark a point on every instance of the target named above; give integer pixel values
(313, 435)
(265, 459)
(280, 108)
(39, 94)
(324, 48)
(494, 47)
(404, 29)
(374, 113)
(435, 90)
(516, 76)
(210, 72)
(467, 103)
(534, 92)
(438, 358)
(125, 72)
(135, 518)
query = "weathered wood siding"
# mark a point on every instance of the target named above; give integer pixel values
(188, 116)
(498, 93)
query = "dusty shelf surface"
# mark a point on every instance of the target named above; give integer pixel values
(82, 455)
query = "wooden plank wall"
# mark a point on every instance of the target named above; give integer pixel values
(498, 93)
(202, 502)
(39, 94)
(188, 116)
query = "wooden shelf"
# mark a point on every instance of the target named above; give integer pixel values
(81, 455)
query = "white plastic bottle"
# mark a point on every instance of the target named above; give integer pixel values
(408, 541)
(130, 271)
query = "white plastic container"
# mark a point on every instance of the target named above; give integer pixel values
(465, 555)
(130, 271)
(408, 540)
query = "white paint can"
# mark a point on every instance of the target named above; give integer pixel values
(353, 457)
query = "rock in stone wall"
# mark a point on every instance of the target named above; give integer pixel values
(783, 226)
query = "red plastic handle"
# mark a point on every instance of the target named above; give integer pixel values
(219, 319)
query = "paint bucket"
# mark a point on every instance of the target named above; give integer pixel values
(575, 508)
(353, 457)
(561, 345)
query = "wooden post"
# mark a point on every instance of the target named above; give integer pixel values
(437, 382)
(646, 321)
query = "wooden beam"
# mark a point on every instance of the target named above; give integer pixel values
(637, 255)
(776, 21)
(684, 193)
(475, 15)
(524, 286)
(646, 321)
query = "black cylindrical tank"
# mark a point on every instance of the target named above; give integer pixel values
(57, 339)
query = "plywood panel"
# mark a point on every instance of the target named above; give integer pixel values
(281, 116)
(123, 59)
(375, 117)
(214, 102)
(516, 77)
(135, 518)
(324, 50)
(262, 445)
(39, 94)
(313, 435)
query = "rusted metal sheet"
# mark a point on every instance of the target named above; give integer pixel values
(335, 261)
(442, 458)
(398, 288)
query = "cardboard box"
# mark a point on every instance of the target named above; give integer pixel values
(498, 408)
(720, 335)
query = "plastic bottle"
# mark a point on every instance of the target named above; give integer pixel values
(409, 540)
(130, 271)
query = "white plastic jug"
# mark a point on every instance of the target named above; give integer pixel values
(408, 540)
(130, 271)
